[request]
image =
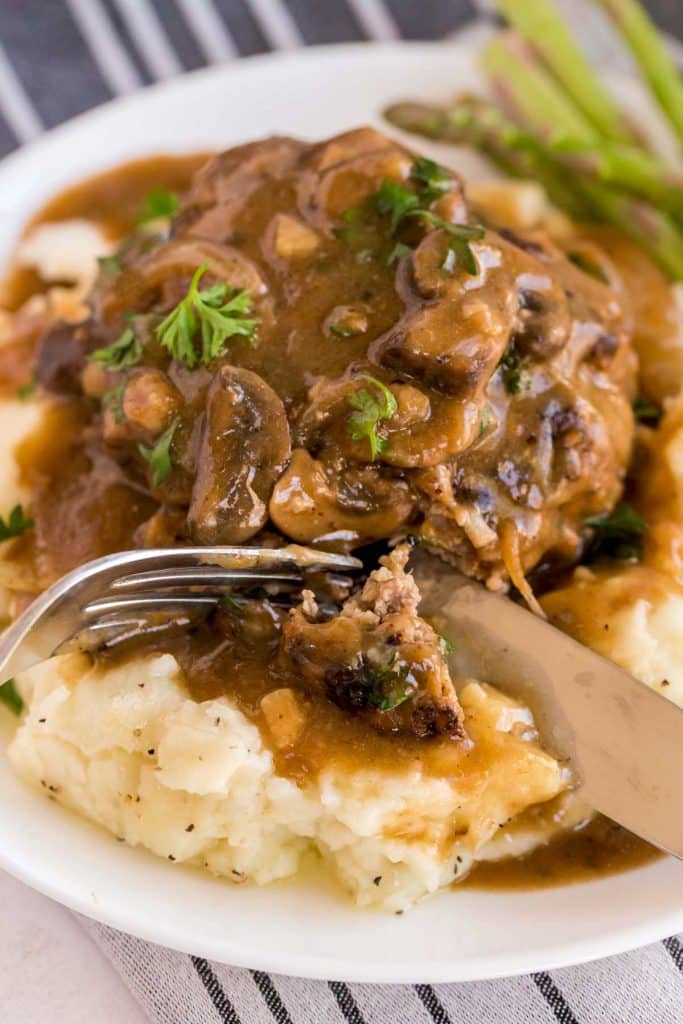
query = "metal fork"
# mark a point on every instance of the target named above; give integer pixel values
(132, 592)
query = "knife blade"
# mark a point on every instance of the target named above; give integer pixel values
(623, 740)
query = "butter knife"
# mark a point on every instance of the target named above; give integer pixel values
(623, 740)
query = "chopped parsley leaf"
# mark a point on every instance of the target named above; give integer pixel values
(230, 604)
(16, 523)
(370, 409)
(341, 331)
(515, 376)
(617, 535)
(27, 389)
(400, 202)
(433, 179)
(112, 400)
(218, 312)
(399, 250)
(109, 264)
(387, 685)
(159, 455)
(646, 412)
(125, 351)
(159, 203)
(396, 200)
(11, 698)
(446, 646)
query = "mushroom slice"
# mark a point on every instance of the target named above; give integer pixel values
(347, 505)
(245, 446)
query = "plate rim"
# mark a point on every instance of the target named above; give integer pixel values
(320, 968)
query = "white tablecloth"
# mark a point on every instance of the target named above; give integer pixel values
(51, 972)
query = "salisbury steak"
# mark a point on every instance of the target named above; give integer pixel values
(323, 341)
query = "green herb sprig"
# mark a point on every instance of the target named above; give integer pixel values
(388, 686)
(370, 409)
(647, 412)
(399, 203)
(28, 389)
(515, 377)
(617, 535)
(15, 525)
(11, 698)
(446, 647)
(159, 203)
(112, 401)
(159, 455)
(125, 351)
(218, 313)
(109, 265)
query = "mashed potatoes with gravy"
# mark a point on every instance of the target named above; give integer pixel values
(195, 783)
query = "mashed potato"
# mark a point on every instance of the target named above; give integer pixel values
(194, 782)
(633, 614)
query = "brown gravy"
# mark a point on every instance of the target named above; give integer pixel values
(114, 199)
(599, 848)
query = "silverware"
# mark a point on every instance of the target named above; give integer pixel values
(133, 592)
(623, 740)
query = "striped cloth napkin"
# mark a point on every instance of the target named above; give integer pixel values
(59, 57)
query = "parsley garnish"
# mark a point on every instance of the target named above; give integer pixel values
(230, 604)
(125, 351)
(395, 200)
(159, 203)
(399, 250)
(27, 389)
(399, 203)
(341, 331)
(446, 646)
(370, 410)
(159, 455)
(433, 179)
(646, 412)
(515, 376)
(109, 264)
(16, 523)
(218, 312)
(618, 535)
(387, 686)
(113, 401)
(10, 697)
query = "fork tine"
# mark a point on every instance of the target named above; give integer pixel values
(154, 602)
(199, 575)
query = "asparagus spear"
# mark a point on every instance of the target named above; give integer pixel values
(482, 125)
(540, 24)
(649, 49)
(528, 93)
(628, 167)
(537, 103)
(477, 123)
(645, 224)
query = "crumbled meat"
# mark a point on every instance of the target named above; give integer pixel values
(377, 657)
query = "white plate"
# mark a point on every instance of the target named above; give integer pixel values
(303, 928)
